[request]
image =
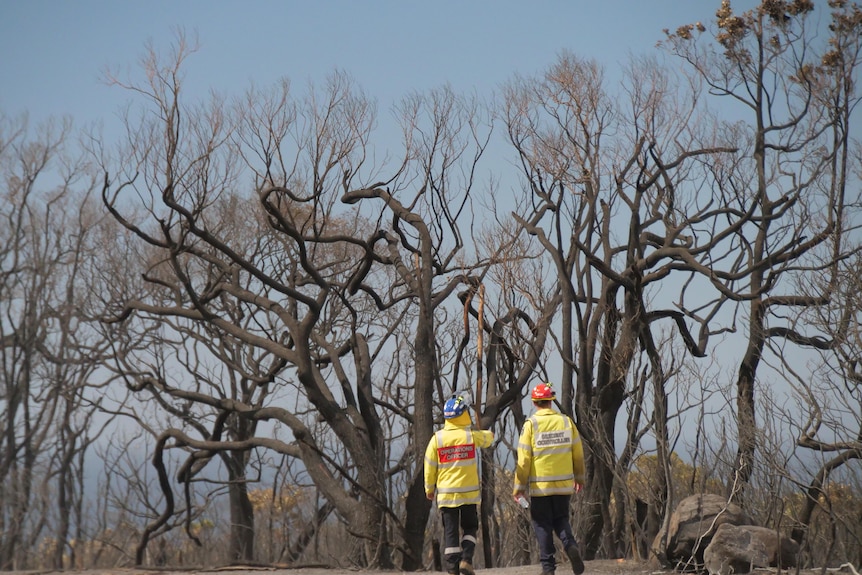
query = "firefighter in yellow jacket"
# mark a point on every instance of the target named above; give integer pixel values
(550, 468)
(452, 474)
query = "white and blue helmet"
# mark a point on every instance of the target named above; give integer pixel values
(455, 406)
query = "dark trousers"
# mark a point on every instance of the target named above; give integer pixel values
(455, 546)
(550, 514)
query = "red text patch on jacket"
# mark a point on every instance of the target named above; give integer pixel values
(456, 453)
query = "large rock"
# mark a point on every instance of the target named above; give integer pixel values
(691, 528)
(736, 549)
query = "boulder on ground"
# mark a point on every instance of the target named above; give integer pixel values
(736, 549)
(691, 528)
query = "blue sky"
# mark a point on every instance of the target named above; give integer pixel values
(53, 52)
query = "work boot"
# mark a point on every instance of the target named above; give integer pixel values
(467, 568)
(575, 558)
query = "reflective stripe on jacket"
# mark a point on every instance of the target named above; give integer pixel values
(550, 455)
(452, 464)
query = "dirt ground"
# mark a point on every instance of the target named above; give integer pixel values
(598, 567)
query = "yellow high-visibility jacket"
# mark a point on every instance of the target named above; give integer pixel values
(452, 464)
(550, 455)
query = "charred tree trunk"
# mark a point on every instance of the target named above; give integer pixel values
(242, 521)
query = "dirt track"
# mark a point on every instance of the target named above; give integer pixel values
(601, 567)
(598, 567)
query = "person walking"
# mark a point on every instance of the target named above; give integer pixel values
(550, 468)
(452, 475)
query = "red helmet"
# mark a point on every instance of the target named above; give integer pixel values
(543, 392)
